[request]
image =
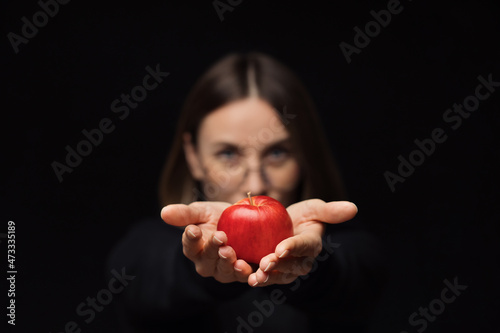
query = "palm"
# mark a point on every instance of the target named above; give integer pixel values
(203, 243)
(306, 225)
(301, 224)
(310, 215)
(207, 229)
(294, 255)
(206, 246)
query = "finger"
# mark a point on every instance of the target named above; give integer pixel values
(318, 210)
(252, 280)
(280, 278)
(211, 248)
(229, 263)
(295, 265)
(192, 242)
(227, 258)
(177, 215)
(242, 270)
(206, 260)
(275, 270)
(196, 212)
(268, 263)
(307, 244)
(229, 269)
(261, 279)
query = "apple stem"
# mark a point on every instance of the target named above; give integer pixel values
(250, 198)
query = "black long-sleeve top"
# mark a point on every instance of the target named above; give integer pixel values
(167, 295)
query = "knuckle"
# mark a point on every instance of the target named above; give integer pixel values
(312, 205)
(288, 278)
(185, 244)
(303, 266)
(203, 271)
(225, 268)
(196, 204)
(222, 278)
(317, 250)
(307, 265)
(188, 254)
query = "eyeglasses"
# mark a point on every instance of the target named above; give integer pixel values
(228, 169)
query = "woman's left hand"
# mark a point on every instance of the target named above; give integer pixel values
(294, 256)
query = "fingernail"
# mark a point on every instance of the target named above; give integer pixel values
(267, 278)
(271, 264)
(256, 283)
(218, 241)
(283, 254)
(191, 233)
(237, 269)
(220, 254)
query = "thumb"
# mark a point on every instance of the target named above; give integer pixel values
(337, 211)
(178, 215)
(327, 212)
(181, 215)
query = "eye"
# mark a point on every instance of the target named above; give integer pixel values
(227, 154)
(277, 154)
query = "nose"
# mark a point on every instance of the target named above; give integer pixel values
(255, 182)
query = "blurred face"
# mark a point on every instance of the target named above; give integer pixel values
(243, 147)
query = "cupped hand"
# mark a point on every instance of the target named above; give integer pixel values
(203, 244)
(295, 255)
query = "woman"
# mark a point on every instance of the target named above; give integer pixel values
(249, 125)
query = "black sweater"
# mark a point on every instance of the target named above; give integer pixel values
(167, 295)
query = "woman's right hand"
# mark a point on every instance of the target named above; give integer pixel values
(203, 244)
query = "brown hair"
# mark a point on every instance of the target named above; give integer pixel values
(234, 77)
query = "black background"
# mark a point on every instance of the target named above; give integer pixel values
(441, 223)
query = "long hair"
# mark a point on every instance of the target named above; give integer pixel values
(237, 76)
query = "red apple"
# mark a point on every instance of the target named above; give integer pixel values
(254, 226)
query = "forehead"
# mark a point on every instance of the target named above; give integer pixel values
(241, 123)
